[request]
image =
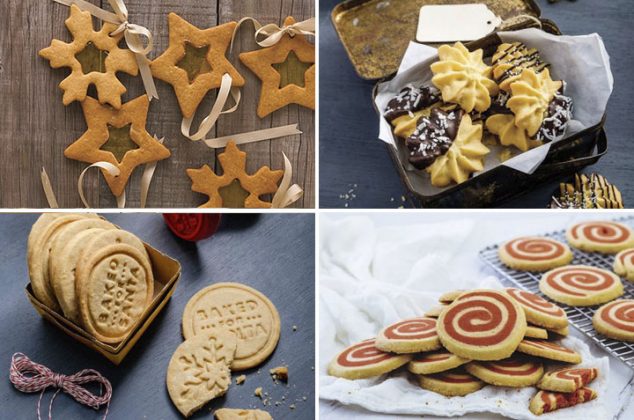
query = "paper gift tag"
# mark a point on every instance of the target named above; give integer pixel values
(455, 22)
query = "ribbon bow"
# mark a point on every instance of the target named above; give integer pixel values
(274, 33)
(28, 376)
(132, 34)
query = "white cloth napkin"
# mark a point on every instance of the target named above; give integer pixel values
(371, 277)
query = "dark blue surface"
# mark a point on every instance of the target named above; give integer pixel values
(354, 162)
(273, 253)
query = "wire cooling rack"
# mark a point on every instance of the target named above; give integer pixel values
(579, 317)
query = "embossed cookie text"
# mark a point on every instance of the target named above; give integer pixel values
(243, 317)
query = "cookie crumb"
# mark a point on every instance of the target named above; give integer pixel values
(258, 392)
(279, 373)
(294, 327)
(292, 406)
(240, 379)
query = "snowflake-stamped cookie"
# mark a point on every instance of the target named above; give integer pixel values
(199, 369)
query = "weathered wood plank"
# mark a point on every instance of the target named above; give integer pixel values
(35, 126)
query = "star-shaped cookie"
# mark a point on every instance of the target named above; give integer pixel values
(91, 45)
(110, 132)
(191, 82)
(235, 180)
(262, 62)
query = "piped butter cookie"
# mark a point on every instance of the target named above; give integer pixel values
(364, 360)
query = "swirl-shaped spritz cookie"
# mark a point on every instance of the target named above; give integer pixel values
(434, 362)
(603, 237)
(547, 401)
(517, 371)
(364, 360)
(538, 310)
(409, 336)
(624, 264)
(482, 325)
(567, 380)
(581, 285)
(616, 320)
(456, 382)
(548, 350)
(534, 253)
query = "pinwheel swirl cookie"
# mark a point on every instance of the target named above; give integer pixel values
(581, 285)
(548, 350)
(482, 325)
(456, 382)
(434, 362)
(547, 401)
(463, 78)
(364, 360)
(409, 336)
(603, 237)
(517, 371)
(616, 320)
(567, 380)
(534, 254)
(539, 311)
(624, 264)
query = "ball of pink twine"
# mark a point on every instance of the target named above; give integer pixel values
(28, 376)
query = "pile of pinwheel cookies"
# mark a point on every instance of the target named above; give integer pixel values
(93, 273)
(480, 337)
(513, 102)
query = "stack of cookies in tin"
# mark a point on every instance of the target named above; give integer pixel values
(94, 274)
(478, 338)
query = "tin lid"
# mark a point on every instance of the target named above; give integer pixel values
(376, 33)
(192, 226)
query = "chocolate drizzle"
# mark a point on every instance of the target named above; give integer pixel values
(519, 57)
(588, 192)
(433, 136)
(411, 99)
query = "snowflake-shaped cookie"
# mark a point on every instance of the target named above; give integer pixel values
(62, 54)
(530, 97)
(464, 157)
(235, 177)
(463, 78)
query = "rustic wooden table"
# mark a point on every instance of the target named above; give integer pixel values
(35, 126)
(273, 253)
(355, 168)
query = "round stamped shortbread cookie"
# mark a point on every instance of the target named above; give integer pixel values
(240, 309)
(517, 371)
(533, 253)
(547, 401)
(603, 237)
(538, 310)
(456, 382)
(624, 264)
(364, 360)
(616, 320)
(38, 249)
(448, 297)
(199, 370)
(114, 288)
(548, 350)
(567, 380)
(409, 336)
(482, 325)
(241, 414)
(536, 332)
(110, 237)
(581, 285)
(434, 362)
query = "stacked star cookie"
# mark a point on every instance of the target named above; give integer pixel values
(227, 327)
(443, 125)
(480, 337)
(583, 285)
(93, 273)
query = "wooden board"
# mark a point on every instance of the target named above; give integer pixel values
(273, 253)
(35, 126)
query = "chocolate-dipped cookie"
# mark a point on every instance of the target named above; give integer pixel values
(433, 136)
(411, 99)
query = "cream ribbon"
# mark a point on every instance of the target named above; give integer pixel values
(217, 110)
(132, 34)
(273, 33)
(286, 194)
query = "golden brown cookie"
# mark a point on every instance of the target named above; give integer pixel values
(568, 379)
(456, 382)
(278, 87)
(115, 287)
(538, 310)
(616, 320)
(118, 137)
(624, 264)
(517, 371)
(548, 350)
(547, 401)
(510, 59)
(409, 336)
(195, 61)
(581, 285)
(364, 360)
(605, 237)
(503, 125)
(434, 362)
(240, 309)
(448, 297)
(536, 332)
(534, 253)
(85, 58)
(235, 187)
(241, 414)
(199, 370)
